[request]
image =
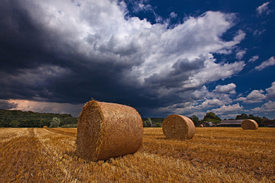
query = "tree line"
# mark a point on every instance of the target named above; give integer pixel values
(17, 118)
(209, 117)
(212, 117)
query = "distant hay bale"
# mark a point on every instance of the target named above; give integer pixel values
(201, 125)
(108, 130)
(178, 127)
(45, 127)
(249, 124)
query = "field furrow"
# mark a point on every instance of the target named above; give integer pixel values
(66, 131)
(10, 133)
(22, 161)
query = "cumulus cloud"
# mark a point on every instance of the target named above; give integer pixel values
(199, 94)
(229, 88)
(255, 96)
(228, 109)
(69, 52)
(142, 6)
(173, 15)
(204, 104)
(267, 107)
(267, 63)
(202, 99)
(221, 92)
(217, 72)
(263, 8)
(240, 54)
(271, 92)
(212, 103)
(254, 58)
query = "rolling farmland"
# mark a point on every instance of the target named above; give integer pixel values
(213, 155)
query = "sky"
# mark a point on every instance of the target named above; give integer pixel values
(185, 57)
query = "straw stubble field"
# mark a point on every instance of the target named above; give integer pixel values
(213, 155)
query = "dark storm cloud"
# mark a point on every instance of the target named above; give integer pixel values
(25, 45)
(21, 39)
(7, 105)
(55, 53)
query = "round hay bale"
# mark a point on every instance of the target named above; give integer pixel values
(108, 130)
(45, 127)
(201, 125)
(249, 124)
(178, 127)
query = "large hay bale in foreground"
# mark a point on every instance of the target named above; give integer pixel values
(108, 130)
(249, 124)
(178, 127)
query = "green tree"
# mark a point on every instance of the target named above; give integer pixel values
(14, 123)
(148, 122)
(8, 118)
(157, 120)
(6, 122)
(212, 117)
(158, 124)
(242, 116)
(46, 122)
(195, 119)
(144, 123)
(55, 122)
(258, 119)
(68, 120)
(29, 123)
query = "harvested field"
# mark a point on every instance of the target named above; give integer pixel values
(212, 155)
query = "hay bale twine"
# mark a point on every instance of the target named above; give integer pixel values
(108, 130)
(178, 127)
(249, 124)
